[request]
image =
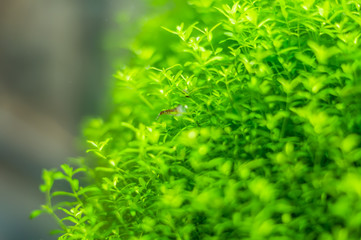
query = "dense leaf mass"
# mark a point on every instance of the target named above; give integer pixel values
(267, 145)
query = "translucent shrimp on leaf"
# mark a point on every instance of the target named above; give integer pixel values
(177, 111)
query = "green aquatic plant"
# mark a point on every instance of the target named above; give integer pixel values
(242, 122)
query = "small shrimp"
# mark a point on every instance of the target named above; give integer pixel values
(186, 93)
(179, 110)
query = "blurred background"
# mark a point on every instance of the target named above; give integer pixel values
(56, 64)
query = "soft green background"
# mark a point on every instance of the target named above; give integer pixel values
(56, 69)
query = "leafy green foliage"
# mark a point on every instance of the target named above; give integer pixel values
(269, 147)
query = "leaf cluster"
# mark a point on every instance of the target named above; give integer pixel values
(269, 147)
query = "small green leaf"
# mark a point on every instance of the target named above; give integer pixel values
(71, 219)
(75, 184)
(350, 142)
(35, 213)
(88, 189)
(79, 170)
(43, 188)
(65, 210)
(62, 193)
(67, 169)
(305, 59)
(56, 232)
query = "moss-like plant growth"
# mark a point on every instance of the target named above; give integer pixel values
(243, 122)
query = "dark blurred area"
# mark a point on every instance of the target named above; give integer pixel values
(54, 72)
